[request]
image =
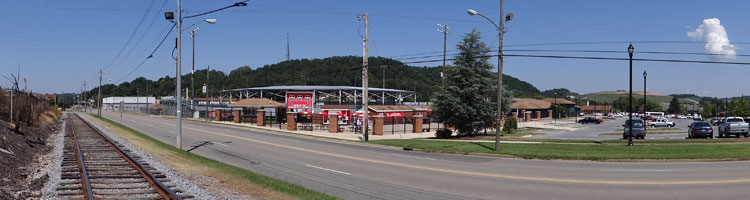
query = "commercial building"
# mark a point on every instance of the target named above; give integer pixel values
(130, 104)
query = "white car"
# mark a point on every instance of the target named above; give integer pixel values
(618, 115)
(661, 122)
(682, 117)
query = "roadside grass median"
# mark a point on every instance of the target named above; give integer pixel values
(589, 150)
(649, 133)
(235, 178)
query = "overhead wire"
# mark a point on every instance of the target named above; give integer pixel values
(138, 42)
(130, 38)
(595, 58)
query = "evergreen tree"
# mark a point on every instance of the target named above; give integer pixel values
(674, 106)
(468, 102)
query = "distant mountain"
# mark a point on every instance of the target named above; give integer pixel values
(337, 70)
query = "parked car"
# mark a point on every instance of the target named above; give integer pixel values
(697, 118)
(734, 126)
(648, 117)
(639, 130)
(700, 129)
(618, 115)
(590, 120)
(661, 122)
(716, 121)
(682, 117)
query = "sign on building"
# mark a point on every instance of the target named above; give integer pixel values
(394, 114)
(299, 100)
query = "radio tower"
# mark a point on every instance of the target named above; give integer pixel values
(287, 47)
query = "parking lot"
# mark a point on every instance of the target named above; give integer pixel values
(612, 129)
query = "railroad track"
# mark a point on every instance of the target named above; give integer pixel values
(95, 167)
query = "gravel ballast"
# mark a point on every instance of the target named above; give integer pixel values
(178, 178)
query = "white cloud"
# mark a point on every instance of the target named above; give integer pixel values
(716, 38)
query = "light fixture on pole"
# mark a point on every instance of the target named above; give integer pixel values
(630, 106)
(178, 75)
(644, 101)
(501, 30)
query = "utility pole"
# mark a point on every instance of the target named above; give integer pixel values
(498, 127)
(193, 33)
(85, 103)
(364, 74)
(445, 40)
(99, 98)
(287, 47)
(208, 103)
(178, 89)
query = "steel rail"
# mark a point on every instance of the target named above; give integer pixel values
(87, 193)
(160, 188)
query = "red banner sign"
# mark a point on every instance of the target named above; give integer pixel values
(394, 114)
(299, 100)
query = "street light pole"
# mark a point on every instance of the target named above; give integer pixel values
(554, 109)
(630, 106)
(644, 101)
(500, 31)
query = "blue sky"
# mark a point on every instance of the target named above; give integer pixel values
(62, 43)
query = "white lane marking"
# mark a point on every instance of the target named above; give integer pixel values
(637, 170)
(289, 139)
(149, 125)
(413, 156)
(172, 132)
(330, 170)
(219, 143)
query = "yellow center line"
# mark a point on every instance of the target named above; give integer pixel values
(527, 178)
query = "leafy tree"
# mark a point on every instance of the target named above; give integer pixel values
(739, 108)
(708, 111)
(674, 106)
(337, 70)
(561, 93)
(622, 104)
(468, 102)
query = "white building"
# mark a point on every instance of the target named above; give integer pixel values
(129, 103)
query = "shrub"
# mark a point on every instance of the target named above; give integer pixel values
(443, 133)
(510, 125)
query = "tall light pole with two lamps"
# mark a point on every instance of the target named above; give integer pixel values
(178, 89)
(630, 106)
(501, 30)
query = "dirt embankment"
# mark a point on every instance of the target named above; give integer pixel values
(24, 154)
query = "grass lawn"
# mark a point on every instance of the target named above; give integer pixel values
(235, 178)
(591, 150)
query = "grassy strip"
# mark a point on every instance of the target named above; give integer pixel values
(649, 133)
(583, 151)
(257, 179)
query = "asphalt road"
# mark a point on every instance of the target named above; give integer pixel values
(359, 171)
(595, 131)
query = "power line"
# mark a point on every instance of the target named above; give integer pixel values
(150, 55)
(588, 51)
(597, 58)
(138, 42)
(137, 27)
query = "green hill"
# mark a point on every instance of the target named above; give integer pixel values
(337, 70)
(610, 96)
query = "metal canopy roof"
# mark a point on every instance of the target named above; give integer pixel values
(315, 87)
